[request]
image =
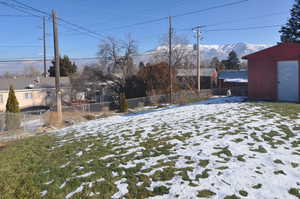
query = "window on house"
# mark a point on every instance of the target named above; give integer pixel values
(1, 99)
(28, 95)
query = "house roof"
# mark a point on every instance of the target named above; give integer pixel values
(284, 49)
(21, 83)
(205, 72)
(234, 76)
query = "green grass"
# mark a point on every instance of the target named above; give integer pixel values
(295, 192)
(204, 174)
(260, 149)
(161, 190)
(278, 172)
(241, 158)
(21, 164)
(285, 109)
(223, 151)
(243, 193)
(295, 165)
(232, 197)
(165, 175)
(205, 193)
(203, 163)
(28, 164)
(258, 186)
(277, 161)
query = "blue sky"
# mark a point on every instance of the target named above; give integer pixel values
(100, 16)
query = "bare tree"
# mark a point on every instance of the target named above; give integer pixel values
(180, 50)
(117, 56)
(183, 59)
(32, 71)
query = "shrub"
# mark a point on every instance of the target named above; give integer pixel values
(12, 119)
(12, 104)
(90, 117)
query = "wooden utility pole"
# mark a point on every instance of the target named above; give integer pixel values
(170, 58)
(198, 61)
(57, 69)
(44, 41)
(198, 36)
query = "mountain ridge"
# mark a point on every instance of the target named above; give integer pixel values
(220, 51)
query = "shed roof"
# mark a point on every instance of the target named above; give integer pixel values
(234, 76)
(280, 51)
(21, 83)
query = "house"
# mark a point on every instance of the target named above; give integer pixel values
(208, 76)
(33, 92)
(229, 79)
(273, 73)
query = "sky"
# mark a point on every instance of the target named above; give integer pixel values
(21, 36)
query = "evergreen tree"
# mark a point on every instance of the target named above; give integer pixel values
(66, 67)
(233, 62)
(12, 119)
(12, 104)
(291, 31)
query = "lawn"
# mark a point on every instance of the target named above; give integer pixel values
(221, 148)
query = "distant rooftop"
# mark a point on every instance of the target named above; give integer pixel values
(205, 72)
(21, 83)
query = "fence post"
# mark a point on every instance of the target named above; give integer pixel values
(24, 122)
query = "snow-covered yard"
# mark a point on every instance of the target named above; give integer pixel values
(221, 148)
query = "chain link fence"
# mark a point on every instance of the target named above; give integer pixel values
(136, 103)
(234, 91)
(15, 126)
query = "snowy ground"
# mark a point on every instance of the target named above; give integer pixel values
(220, 148)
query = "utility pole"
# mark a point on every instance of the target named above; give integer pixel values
(198, 36)
(57, 68)
(44, 40)
(170, 58)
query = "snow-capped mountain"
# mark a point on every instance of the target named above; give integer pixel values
(220, 51)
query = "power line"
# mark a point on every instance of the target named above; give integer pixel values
(176, 16)
(95, 34)
(24, 6)
(137, 24)
(32, 8)
(79, 27)
(8, 15)
(211, 8)
(20, 46)
(239, 20)
(19, 8)
(76, 30)
(40, 59)
(249, 18)
(244, 28)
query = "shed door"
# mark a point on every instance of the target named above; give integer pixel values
(288, 81)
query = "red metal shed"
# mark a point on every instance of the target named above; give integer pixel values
(273, 73)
